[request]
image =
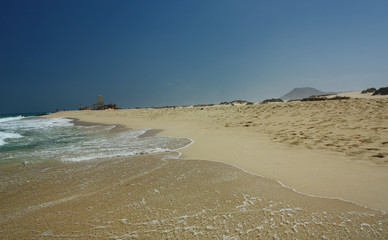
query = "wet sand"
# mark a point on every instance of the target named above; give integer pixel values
(146, 197)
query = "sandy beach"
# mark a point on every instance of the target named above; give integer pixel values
(331, 148)
(253, 171)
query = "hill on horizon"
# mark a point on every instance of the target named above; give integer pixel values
(300, 93)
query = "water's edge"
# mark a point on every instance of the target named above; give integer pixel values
(154, 132)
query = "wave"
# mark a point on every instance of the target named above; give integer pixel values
(123, 144)
(58, 138)
(17, 124)
(7, 135)
(8, 119)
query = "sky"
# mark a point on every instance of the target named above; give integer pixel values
(61, 54)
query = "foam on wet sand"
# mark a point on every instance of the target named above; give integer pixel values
(145, 197)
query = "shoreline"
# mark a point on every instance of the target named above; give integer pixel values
(149, 197)
(285, 186)
(316, 172)
(159, 132)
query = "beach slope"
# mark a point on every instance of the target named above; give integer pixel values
(333, 149)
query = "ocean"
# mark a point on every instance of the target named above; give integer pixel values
(27, 140)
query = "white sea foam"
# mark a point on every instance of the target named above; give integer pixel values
(58, 138)
(44, 123)
(28, 128)
(8, 119)
(120, 145)
(6, 135)
(96, 155)
(23, 123)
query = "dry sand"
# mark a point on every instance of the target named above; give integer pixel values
(330, 148)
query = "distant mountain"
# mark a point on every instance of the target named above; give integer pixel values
(299, 93)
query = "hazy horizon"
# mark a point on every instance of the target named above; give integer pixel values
(58, 55)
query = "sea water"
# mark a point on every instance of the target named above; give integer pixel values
(32, 139)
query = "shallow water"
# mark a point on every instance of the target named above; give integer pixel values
(31, 140)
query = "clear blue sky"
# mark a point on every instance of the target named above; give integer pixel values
(60, 54)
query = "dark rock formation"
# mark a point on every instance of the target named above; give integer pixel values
(272, 100)
(369, 90)
(381, 91)
(324, 98)
(242, 102)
